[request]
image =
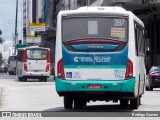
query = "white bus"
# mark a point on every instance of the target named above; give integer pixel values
(33, 62)
(99, 56)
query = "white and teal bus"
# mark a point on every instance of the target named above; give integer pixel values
(99, 56)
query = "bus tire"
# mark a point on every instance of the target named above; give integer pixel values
(134, 103)
(140, 100)
(19, 78)
(45, 79)
(25, 79)
(124, 103)
(68, 102)
(77, 104)
(150, 88)
(40, 79)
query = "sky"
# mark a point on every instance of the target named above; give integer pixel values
(7, 19)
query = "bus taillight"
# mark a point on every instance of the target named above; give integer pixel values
(60, 70)
(25, 67)
(129, 70)
(24, 56)
(47, 67)
(49, 57)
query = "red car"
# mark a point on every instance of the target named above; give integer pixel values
(153, 78)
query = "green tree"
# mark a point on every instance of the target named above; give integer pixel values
(1, 59)
(1, 39)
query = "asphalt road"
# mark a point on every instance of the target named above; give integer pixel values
(41, 96)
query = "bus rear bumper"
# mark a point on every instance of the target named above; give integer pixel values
(36, 74)
(118, 86)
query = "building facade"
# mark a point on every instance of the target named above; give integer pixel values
(7, 49)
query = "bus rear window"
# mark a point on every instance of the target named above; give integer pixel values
(37, 54)
(74, 28)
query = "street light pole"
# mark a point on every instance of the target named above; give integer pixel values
(16, 34)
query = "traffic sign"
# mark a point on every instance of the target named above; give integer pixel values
(21, 46)
(37, 26)
(33, 39)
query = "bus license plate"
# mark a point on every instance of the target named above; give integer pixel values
(95, 86)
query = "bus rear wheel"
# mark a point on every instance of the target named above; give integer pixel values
(124, 103)
(134, 103)
(24, 79)
(40, 79)
(19, 78)
(77, 104)
(150, 88)
(68, 102)
(45, 79)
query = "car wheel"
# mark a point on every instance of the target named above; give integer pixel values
(150, 88)
(147, 88)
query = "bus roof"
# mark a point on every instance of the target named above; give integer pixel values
(102, 9)
(112, 9)
(32, 47)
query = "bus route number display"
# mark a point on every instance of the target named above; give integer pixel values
(117, 32)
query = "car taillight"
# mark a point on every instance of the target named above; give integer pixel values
(129, 70)
(24, 56)
(60, 70)
(25, 67)
(47, 67)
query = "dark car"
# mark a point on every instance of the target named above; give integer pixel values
(153, 78)
(3, 70)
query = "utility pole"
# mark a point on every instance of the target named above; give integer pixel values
(16, 34)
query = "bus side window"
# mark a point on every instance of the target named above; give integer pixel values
(139, 36)
(136, 39)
